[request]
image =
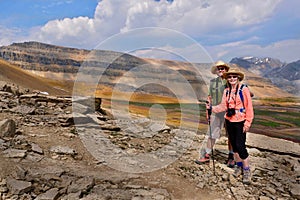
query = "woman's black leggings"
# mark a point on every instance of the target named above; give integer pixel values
(237, 138)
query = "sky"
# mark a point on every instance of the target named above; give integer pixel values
(220, 29)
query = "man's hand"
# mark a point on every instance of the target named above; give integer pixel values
(209, 111)
(208, 106)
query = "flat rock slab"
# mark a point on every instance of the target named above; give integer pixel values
(14, 153)
(18, 187)
(273, 144)
(63, 150)
(51, 194)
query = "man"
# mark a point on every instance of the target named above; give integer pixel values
(215, 92)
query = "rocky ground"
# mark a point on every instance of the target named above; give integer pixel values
(45, 156)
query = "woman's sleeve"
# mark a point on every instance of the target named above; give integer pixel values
(248, 106)
(222, 106)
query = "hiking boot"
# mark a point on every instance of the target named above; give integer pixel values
(247, 176)
(237, 171)
(203, 160)
(230, 163)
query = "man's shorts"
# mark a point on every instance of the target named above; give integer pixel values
(216, 124)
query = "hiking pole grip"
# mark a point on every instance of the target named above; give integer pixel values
(209, 110)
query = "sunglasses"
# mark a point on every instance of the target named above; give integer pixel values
(234, 76)
(221, 68)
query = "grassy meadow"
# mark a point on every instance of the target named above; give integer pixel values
(278, 117)
(273, 117)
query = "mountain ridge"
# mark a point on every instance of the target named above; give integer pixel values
(63, 63)
(284, 75)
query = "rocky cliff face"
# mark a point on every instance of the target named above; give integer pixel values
(43, 57)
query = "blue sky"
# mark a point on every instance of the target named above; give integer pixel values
(29, 13)
(225, 29)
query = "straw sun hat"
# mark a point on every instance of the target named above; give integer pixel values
(234, 71)
(219, 63)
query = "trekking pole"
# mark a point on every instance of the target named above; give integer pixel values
(210, 135)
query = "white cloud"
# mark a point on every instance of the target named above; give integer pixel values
(66, 31)
(155, 42)
(216, 20)
(9, 35)
(286, 50)
(194, 17)
(193, 53)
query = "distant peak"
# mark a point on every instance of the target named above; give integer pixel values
(247, 57)
(255, 60)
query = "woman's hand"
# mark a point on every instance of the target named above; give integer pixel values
(246, 129)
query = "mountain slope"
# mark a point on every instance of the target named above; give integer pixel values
(290, 71)
(13, 74)
(128, 73)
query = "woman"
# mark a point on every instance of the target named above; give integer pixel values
(238, 118)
